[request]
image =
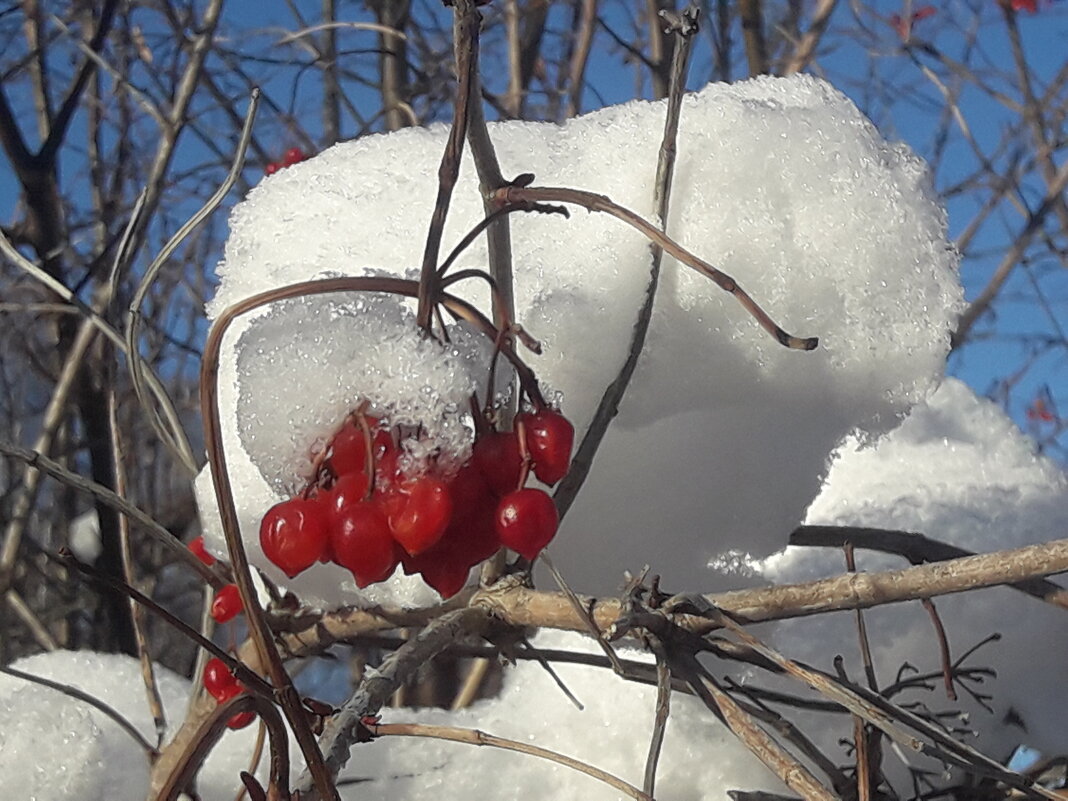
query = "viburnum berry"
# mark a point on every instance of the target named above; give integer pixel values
(441, 568)
(549, 437)
(219, 682)
(361, 541)
(496, 455)
(272, 167)
(227, 604)
(241, 720)
(197, 548)
(420, 513)
(526, 521)
(293, 156)
(293, 534)
(349, 489)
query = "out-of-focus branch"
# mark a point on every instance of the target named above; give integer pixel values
(751, 14)
(806, 48)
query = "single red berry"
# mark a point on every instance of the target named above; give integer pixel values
(422, 518)
(240, 720)
(293, 534)
(497, 457)
(196, 547)
(219, 681)
(272, 168)
(549, 438)
(471, 534)
(349, 489)
(440, 568)
(526, 521)
(361, 542)
(227, 604)
(293, 156)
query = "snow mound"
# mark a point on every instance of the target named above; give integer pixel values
(724, 436)
(958, 471)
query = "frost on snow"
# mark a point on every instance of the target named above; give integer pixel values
(725, 435)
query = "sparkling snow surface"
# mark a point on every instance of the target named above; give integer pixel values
(725, 435)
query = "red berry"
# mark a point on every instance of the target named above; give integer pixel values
(227, 604)
(497, 456)
(240, 720)
(526, 521)
(198, 550)
(361, 542)
(471, 534)
(349, 489)
(549, 438)
(440, 568)
(219, 681)
(294, 533)
(422, 517)
(272, 168)
(293, 156)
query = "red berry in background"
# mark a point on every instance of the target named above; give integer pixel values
(227, 604)
(549, 439)
(361, 542)
(272, 168)
(293, 156)
(196, 547)
(293, 534)
(420, 519)
(241, 719)
(219, 681)
(497, 457)
(526, 521)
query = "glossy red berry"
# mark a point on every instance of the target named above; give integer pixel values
(227, 604)
(241, 720)
(219, 682)
(440, 568)
(197, 548)
(526, 521)
(272, 168)
(422, 514)
(294, 534)
(549, 438)
(349, 489)
(361, 542)
(497, 457)
(293, 156)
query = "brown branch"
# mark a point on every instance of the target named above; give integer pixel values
(595, 202)
(806, 48)
(916, 548)
(480, 738)
(751, 14)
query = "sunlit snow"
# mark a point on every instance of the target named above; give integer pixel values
(725, 435)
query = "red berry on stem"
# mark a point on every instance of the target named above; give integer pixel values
(526, 521)
(196, 547)
(227, 604)
(294, 533)
(549, 438)
(362, 543)
(219, 681)
(422, 518)
(497, 456)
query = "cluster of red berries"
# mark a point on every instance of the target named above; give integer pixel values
(222, 685)
(363, 512)
(292, 156)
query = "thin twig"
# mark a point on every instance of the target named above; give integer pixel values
(594, 202)
(684, 30)
(660, 719)
(96, 703)
(137, 612)
(480, 738)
